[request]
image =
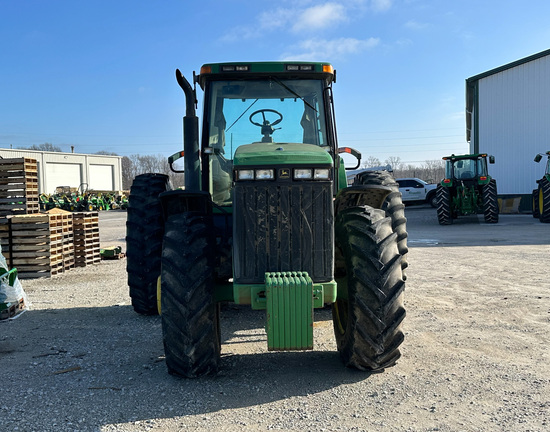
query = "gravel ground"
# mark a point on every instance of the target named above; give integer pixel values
(475, 357)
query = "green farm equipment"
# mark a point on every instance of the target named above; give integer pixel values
(267, 219)
(541, 195)
(467, 189)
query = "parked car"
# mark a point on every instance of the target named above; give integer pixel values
(417, 190)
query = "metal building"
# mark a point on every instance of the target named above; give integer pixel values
(508, 116)
(97, 172)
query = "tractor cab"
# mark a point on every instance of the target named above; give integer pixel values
(467, 167)
(255, 114)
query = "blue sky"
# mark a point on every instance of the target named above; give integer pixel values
(99, 75)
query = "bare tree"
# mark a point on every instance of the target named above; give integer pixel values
(371, 162)
(434, 170)
(394, 162)
(43, 147)
(135, 165)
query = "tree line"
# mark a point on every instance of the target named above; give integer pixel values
(432, 171)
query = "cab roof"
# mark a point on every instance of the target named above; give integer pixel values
(254, 70)
(468, 156)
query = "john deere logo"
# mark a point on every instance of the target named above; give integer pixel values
(284, 173)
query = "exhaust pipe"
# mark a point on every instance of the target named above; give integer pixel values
(191, 162)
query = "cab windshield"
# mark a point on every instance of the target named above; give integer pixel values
(464, 169)
(269, 110)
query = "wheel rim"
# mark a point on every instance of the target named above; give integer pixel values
(341, 315)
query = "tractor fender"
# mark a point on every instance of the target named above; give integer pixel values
(361, 195)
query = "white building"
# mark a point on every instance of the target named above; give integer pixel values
(508, 116)
(97, 172)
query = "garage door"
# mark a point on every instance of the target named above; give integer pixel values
(62, 174)
(101, 177)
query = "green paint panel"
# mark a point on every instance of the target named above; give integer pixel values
(289, 311)
(271, 154)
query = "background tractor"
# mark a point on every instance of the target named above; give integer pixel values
(267, 219)
(467, 189)
(541, 195)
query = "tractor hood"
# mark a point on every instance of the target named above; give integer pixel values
(269, 154)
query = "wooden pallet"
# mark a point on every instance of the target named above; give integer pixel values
(35, 249)
(19, 186)
(61, 226)
(86, 238)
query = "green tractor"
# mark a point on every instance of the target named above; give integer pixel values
(266, 219)
(467, 189)
(541, 196)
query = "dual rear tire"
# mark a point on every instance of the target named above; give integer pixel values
(144, 233)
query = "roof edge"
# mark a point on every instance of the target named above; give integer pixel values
(508, 66)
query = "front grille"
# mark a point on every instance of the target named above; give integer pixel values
(282, 227)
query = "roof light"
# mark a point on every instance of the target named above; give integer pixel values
(292, 67)
(242, 68)
(328, 69)
(206, 70)
(226, 68)
(306, 67)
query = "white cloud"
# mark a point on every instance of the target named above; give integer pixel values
(320, 16)
(305, 16)
(275, 19)
(319, 49)
(381, 5)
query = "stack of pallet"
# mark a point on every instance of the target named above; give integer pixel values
(86, 238)
(35, 250)
(61, 226)
(18, 186)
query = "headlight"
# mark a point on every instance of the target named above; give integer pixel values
(245, 174)
(301, 173)
(321, 173)
(265, 174)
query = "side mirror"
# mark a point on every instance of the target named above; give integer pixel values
(538, 158)
(491, 159)
(353, 152)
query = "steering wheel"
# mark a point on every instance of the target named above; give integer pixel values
(266, 122)
(267, 127)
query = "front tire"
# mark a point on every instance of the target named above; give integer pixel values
(190, 316)
(367, 323)
(144, 232)
(444, 212)
(490, 202)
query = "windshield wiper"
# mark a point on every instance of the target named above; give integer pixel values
(244, 112)
(293, 93)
